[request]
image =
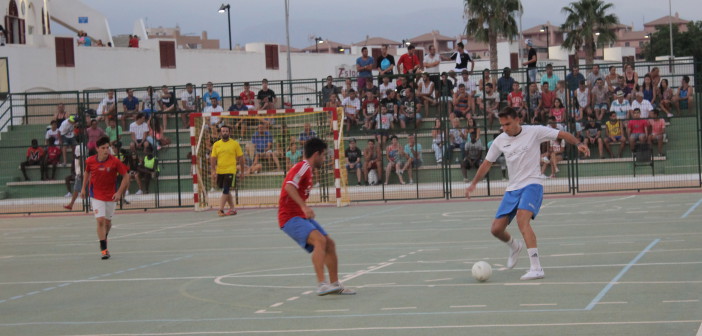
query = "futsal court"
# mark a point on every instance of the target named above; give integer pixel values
(616, 264)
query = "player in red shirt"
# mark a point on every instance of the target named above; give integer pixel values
(409, 61)
(296, 219)
(101, 172)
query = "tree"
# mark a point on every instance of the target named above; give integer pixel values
(488, 19)
(687, 43)
(584, 19)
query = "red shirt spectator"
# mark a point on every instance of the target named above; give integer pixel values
(133, 41)
(53, 153)
(516, 99)
(300, 176)
(408, 61)
(638, 126)
(248, 98)
(547, 98)
(103, 176)
(34, 154)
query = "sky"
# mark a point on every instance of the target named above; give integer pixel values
(344, 21)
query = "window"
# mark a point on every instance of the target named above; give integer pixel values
(272, 57)
(168, 57)
(64, 52)
(627, 44)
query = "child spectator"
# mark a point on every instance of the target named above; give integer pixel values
(384, 122)
(437, 141)
(414, 151)
(54, 133)
(515, 100)
(390, 101)
(397, 160)
(615, 133)
(638, 130)
(34, 157)
(593, 132)
(370, 108)
(53, 154)
(353, 160)
(657, 131)
(292, 156)
(352, 106)
(457, 138)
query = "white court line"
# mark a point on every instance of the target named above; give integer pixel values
(680, 301)
(699, 331)
(612, 302)
(444, 279)
(469, 306)
(537, 304)
(692, 208)
(331, 310)
(398, 308)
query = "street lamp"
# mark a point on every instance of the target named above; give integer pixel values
(405, 43)
(227, 8)
(649, 36)
(317, 41)
(597, 43)
(548, 40)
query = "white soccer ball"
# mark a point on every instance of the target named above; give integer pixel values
(372, 177)
(481, 271)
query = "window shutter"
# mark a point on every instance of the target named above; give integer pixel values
(272, 62)
(167, 54)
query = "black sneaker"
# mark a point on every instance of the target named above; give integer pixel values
(105, 254)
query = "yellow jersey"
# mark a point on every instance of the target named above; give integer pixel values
(227, 153)
(614, 128)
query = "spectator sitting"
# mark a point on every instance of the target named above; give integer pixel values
(167, 104)
(573, 79)
(600, 99)
(34, 157)
(457, 138)
(385, 87)
(593, 134)
(684, 96)
(107, 108)
(372, 161)
(631, 80)
(426, 92)
(53, 132)
(149, 102)
(61, 114)
(593, 76)
(264, 145)
(505, 84)
(352, 107)
(582, 95)
(148, 169)
(612, 79)
(534, 103)
(293, 155)
(370, 109)
(131, 160)
(558, 112)
(139, 130)
(248, 97)
(384, 123)
(94, 133)
(328, 90)
(649, 92)
(642, 104)
(266, 97)
(346, 88)
(67, 135)
(130, 105)
(133, 41)
(489, 102)
(209, 94)
(485, 80)
(113, 131)
(437, 141)
(501, 159)
(638, 130)
(370, 87)
(561, 92)
(397, 160)
(409, 109)
(414, 151)
(620, 106)
(474, 154)
(461, 100)
(445, 91)
(391, 102)
(156, 138)
(214, 121)
(547, 99)
(515, 100)
(657, 131)
(353, 160)
(188, 103)
(555, 151)
(666, 94)
(615, 133)
(549, 77)
(250, 160)
(307, 133)
(53, 154)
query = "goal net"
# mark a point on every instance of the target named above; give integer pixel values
(272, 141)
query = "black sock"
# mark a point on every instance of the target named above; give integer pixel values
(103, 245)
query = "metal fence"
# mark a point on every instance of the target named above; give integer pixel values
(27, 116)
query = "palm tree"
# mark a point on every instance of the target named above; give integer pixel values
(584, 20)
(488, 19)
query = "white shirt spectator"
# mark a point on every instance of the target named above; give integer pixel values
(56, 134)
(522, 153)
(138, 130)
(382, 88)
(645, 107)
(76, 161)
(105, 105)
(150, 103)
(429, 59)
(351, 106)
(471, 86)
(582, 96)
(66, 129)
(214, 119)
(189, 99)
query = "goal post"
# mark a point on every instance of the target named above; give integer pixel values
(272, 141)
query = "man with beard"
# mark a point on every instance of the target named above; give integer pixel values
(225, 154)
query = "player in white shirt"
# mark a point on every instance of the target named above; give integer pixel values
(524, 193)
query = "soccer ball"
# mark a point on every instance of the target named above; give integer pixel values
(482, 271)
(372, 177)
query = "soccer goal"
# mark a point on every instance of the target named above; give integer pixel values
(272, 141)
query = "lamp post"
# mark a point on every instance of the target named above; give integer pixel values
(598, 43)
(317, 41)
(649, 36)
(548, 40)
(227, 8)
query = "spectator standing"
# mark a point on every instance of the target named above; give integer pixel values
(551, 78)
(133, 41)
(364, 66)
(53, 132)
(248, 97)
(87, 41)
(266, 97)
(385, 63)
(130, 105)
(77, 177)
(432, 61)
(530, 63)
(461, 57)
(330, 89)
(2, 36)
(505, 84)
(34, 157)
(139, 130)
(409, 62)
(188, 104)
(657, 131)
(353, 160)
(60, 114)
(67, 136)
(209, 94)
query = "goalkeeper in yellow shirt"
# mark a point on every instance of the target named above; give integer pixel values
(223, 159)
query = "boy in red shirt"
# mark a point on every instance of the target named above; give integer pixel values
(34, 156)
(296, 219)
(516, 100)
(101, 172)
(53, 154)
(638, 130)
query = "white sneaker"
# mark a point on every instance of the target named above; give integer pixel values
(344, 290)
(139, 192)
(514, 254)
(68, 195)
(326, 289)
(126, 193)
(533, 275)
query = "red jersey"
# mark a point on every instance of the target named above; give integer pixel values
(638, 126)
(515, 98)
(247, 97)
(103, 176)
(34, 154)
(300, 176)
(53, 153)
(408, 62)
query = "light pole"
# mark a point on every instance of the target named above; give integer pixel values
(649, 36)
(226, 7)
(317, 41)
(598, 43)
(548, 40)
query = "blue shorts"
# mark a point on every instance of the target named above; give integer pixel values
(299, 229)
(528, 198)
(602, 106)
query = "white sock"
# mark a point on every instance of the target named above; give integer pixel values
(512, 243)
(534, 258)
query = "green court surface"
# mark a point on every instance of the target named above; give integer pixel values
(627, 264)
